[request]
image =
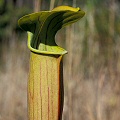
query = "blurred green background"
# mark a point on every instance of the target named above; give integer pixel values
(91, 67)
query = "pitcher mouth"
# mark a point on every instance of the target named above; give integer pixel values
(55, 50)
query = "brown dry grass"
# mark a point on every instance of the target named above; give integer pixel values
(13, 81)
(91, 80)
(92, 89)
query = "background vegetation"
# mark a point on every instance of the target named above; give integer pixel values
(91, 68)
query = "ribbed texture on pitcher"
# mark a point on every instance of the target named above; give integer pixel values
(45, 87)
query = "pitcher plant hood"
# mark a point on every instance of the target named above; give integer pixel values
(43, 26)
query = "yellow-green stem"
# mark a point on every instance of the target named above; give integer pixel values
(45, 87)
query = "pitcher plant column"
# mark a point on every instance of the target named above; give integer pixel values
(45, 84)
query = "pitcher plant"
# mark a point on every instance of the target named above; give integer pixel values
(45, 84)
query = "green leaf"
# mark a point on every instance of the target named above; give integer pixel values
(43, 26)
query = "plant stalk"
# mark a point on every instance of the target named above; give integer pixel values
(45, 87)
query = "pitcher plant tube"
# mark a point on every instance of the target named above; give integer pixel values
(45, 84)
